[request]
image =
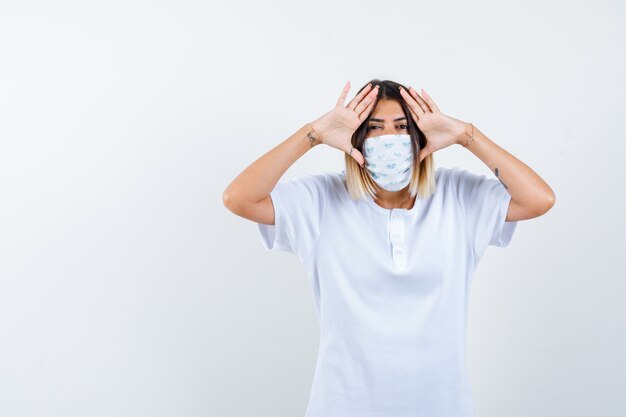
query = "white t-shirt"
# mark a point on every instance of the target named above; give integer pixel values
(390, 289)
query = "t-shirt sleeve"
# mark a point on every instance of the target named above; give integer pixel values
(299, 206)
(484, 202)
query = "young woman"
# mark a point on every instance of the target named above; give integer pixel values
(389, 245)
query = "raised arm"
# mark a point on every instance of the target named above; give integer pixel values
(530, 195)
(248, 194)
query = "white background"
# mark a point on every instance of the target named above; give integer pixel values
(128, 289)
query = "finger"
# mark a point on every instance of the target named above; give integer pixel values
(344, 94)
(419, 99)
(414, 105)
(358, 157)
(415, 118)
(430, 101)
(359, 97)
(367, 110)
(370, 98)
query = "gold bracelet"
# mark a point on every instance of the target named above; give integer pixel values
(472, 137)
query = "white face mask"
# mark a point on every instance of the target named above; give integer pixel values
(389, 160)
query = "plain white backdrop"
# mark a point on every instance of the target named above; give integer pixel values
(128, 289)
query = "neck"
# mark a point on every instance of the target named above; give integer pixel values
(393, 198)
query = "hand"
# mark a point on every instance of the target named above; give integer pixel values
(440, 130)
(336, 127)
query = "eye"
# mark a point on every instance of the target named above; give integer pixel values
(404, 127)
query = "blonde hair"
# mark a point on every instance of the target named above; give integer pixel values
(358, 180)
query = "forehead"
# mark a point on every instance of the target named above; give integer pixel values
(387, 110)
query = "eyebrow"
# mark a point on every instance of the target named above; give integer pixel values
(382, 120)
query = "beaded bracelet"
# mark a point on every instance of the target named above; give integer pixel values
(472, 137)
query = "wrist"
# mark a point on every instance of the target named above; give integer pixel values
(314, 135)
(467, 135)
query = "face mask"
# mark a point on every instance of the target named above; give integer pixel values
(389, 160)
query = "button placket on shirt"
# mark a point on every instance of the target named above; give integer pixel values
(396, 230)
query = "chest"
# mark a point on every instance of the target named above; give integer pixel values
(395, 252)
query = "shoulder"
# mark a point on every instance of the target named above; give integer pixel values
(305, 187)
(459, 177)
(443, 175)
(317, 180)
(458, 181)
(452, 172)
(441, 172)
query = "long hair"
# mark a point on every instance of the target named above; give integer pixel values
(358, 180)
